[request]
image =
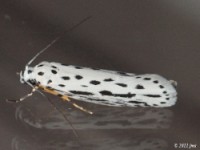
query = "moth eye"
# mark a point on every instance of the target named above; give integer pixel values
(30, 71)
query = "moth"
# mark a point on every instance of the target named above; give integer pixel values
(104, 87)
(99, 86)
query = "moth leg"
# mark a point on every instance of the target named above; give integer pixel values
(24, 97)
(64, 97)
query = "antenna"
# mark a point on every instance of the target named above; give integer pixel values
(56, 39)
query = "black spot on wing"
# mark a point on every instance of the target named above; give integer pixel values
(121, 84)
(135, 102)
(101, 100)
(53, 67)
(49, 81)
(108, 93)
(49, 87)
(65, 77)
(61, 85)
(84, 85)
(155, 81)
(139, 86)
(78, 77)
(147, 78)
(40, 65)
(139, 103)
(138, 77)
(78, 67)
(161, 86)
(54, 71)
(108, 80)
(81, 92)
(129, 95)
(40, 73)
(96, 99)
(64, 64)
(94, 82)
(123, 73)
(152, 95)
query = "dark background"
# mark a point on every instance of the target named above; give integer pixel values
(133, 36)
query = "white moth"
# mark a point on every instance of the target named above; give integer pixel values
(99, 86)
(111, 88)
(105, 87)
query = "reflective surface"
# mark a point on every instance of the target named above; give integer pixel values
(133, 36)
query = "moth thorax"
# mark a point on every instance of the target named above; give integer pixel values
(25, 75)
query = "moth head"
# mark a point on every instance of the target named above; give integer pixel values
(25, 75)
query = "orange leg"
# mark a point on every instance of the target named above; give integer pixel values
(63, 97)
